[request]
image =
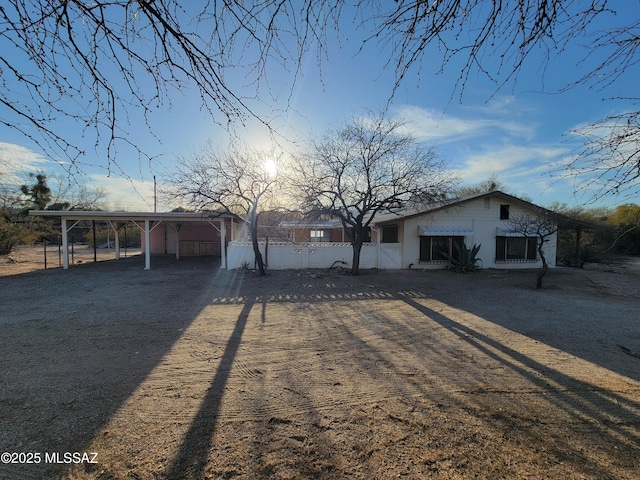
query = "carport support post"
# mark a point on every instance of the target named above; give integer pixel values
(147, 246)
(177, 228)
(116, 237)
(65, 244)
(223, 243)
(117, 242)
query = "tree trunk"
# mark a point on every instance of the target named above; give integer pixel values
(544, 268)
(256, 249)
(253, 227)
(357, 247)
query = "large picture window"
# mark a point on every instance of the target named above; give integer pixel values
(433, 249)
(516, 249)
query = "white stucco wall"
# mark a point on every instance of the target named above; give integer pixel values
(284, 255)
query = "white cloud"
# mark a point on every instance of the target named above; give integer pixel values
(430, 125)
(122, 193)
(16, 160)
(126, 193)
(514, 160)
(523, 169)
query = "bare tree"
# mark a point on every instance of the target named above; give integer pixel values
(366, 167)
(108, 63)
(541, 227)
(71, 194)
(238, 182)
(491, 184)
(101, 63)
(609, 160)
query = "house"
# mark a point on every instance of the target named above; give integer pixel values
(404, 238)
(417, 238)
(429, 234)
(317, 231)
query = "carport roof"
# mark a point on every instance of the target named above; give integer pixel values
(131, 216)
(137, 217)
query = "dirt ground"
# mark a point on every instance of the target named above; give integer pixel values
(187, 371)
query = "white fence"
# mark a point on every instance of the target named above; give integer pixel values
(284, 255)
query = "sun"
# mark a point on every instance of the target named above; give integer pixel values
(270, 167)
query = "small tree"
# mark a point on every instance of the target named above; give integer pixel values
(541, 227)
(239, 183)
(491, 184)
(38, 195)
(625, 219)
(367, 166)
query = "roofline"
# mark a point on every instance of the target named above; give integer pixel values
(130, 216)
(562, 220)
(304, 224)
(437, 206)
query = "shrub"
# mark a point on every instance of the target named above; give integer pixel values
(465, 260)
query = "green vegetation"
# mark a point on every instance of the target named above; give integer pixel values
(465, 260)
(17, 227)
(608, 232)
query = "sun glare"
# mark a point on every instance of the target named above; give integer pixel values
(270, 167)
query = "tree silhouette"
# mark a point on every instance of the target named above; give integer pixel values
(239, 182)
(107, 63)
(366, 167)
(37, 195)
(542, 227)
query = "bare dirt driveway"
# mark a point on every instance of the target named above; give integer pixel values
(187, 371)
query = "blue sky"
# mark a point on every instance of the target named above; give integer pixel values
(517, 133)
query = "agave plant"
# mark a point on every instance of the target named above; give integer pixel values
(466, 259)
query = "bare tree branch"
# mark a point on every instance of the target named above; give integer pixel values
(240, 183)
(609, 160)
(106, 64)
(364, 168)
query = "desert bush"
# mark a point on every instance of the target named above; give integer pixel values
(465, 260)
(13, 234)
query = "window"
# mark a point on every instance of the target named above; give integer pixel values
(389, 234)
(433, 249)
(318, 236)
(367, 234)
(516, 249)
(504, 212)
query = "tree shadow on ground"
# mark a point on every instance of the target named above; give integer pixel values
(612, 416)
(194, 450)
(76, 344)
(120, 327)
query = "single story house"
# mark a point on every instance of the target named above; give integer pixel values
(483, 219)
(403, 238)
(417, 238)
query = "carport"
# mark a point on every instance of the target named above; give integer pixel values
(146, 223)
